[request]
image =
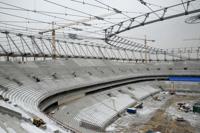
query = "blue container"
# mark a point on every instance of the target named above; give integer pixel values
(132, 110)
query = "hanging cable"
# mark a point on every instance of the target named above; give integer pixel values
(114, 9)
(24, 18)
(34, 11)
(101, 7)
(39, 11)
(35, 19)
(97, 17)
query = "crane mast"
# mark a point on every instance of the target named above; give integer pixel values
(83, 21)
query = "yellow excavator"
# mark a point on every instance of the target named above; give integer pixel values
(38, 122)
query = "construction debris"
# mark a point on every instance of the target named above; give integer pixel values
(36, 79)
(184, 107)
(180, 119)
(54, 75)
(156, 98)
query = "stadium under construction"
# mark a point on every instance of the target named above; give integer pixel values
(91, 66)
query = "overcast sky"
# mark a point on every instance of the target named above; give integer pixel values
(168, 34)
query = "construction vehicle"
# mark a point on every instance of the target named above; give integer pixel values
(38, 122)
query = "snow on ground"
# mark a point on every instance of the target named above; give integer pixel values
(100, 113)
(31, 129)
(10, 130)
(11, 106)
(141, 91)
(51, 126)
(110, 128)
(2, 130)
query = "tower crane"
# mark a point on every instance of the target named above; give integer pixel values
(83, 21)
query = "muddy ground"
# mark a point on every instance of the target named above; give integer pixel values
(165, 123)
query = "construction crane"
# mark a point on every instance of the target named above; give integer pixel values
(83, 21)
(145, 43)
